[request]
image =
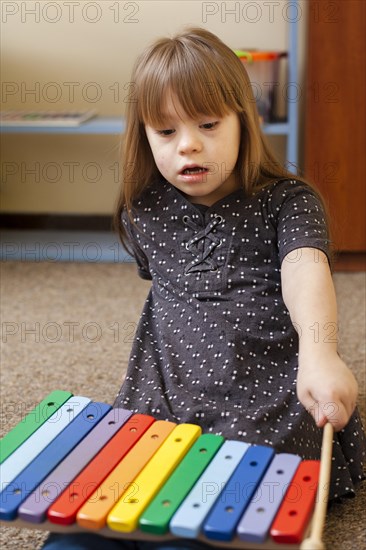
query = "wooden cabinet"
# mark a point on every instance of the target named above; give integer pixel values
(335, 146)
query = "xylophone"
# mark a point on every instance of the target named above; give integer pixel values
(73, 464)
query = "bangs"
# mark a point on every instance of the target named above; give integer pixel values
(192, 79)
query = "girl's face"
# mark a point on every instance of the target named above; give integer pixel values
(197, 156)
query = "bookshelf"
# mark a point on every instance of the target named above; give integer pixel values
(21, 241)
(289, 128)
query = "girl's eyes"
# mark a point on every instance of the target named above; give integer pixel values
(209, 125)
(205, 126)
(165, 132)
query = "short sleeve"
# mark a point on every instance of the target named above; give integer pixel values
(300, 217)
(138, 254)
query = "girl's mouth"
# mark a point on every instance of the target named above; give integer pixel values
(193, 170)
(194, 174)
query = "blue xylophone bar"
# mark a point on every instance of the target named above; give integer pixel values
(28, 480)
(34, 508)
(227, 511)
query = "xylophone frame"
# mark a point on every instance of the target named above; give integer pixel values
(140, 536)
(315, 526)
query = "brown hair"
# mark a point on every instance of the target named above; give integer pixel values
(194, 64)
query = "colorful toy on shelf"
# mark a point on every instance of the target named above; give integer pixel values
(268, 81)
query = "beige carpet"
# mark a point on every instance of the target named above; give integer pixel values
(69, 326)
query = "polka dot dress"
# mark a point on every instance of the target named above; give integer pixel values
(215, 344)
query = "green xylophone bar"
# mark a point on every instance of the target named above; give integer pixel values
(38, 416)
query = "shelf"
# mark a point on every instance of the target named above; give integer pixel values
(98, 125)
(61, 246)
(276, 128)
(112, 125)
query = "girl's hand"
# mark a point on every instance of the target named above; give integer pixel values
(327, 389)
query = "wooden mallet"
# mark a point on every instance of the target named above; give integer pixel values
(314, 541)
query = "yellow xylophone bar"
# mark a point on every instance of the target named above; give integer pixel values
(129, 476)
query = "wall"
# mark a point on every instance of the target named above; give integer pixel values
(78, 55)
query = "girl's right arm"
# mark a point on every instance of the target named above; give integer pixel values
(325, 385)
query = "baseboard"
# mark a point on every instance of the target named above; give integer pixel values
(58, 222)
(350, 261)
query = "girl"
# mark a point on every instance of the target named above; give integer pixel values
(237, 331)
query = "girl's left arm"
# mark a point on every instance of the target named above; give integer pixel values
(325, 385)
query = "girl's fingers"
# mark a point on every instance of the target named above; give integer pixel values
(315, 409)
(322, 412)
(336, 414)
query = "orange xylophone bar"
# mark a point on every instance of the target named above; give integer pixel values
(131, 476)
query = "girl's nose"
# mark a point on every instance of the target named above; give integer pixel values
(189, 143)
